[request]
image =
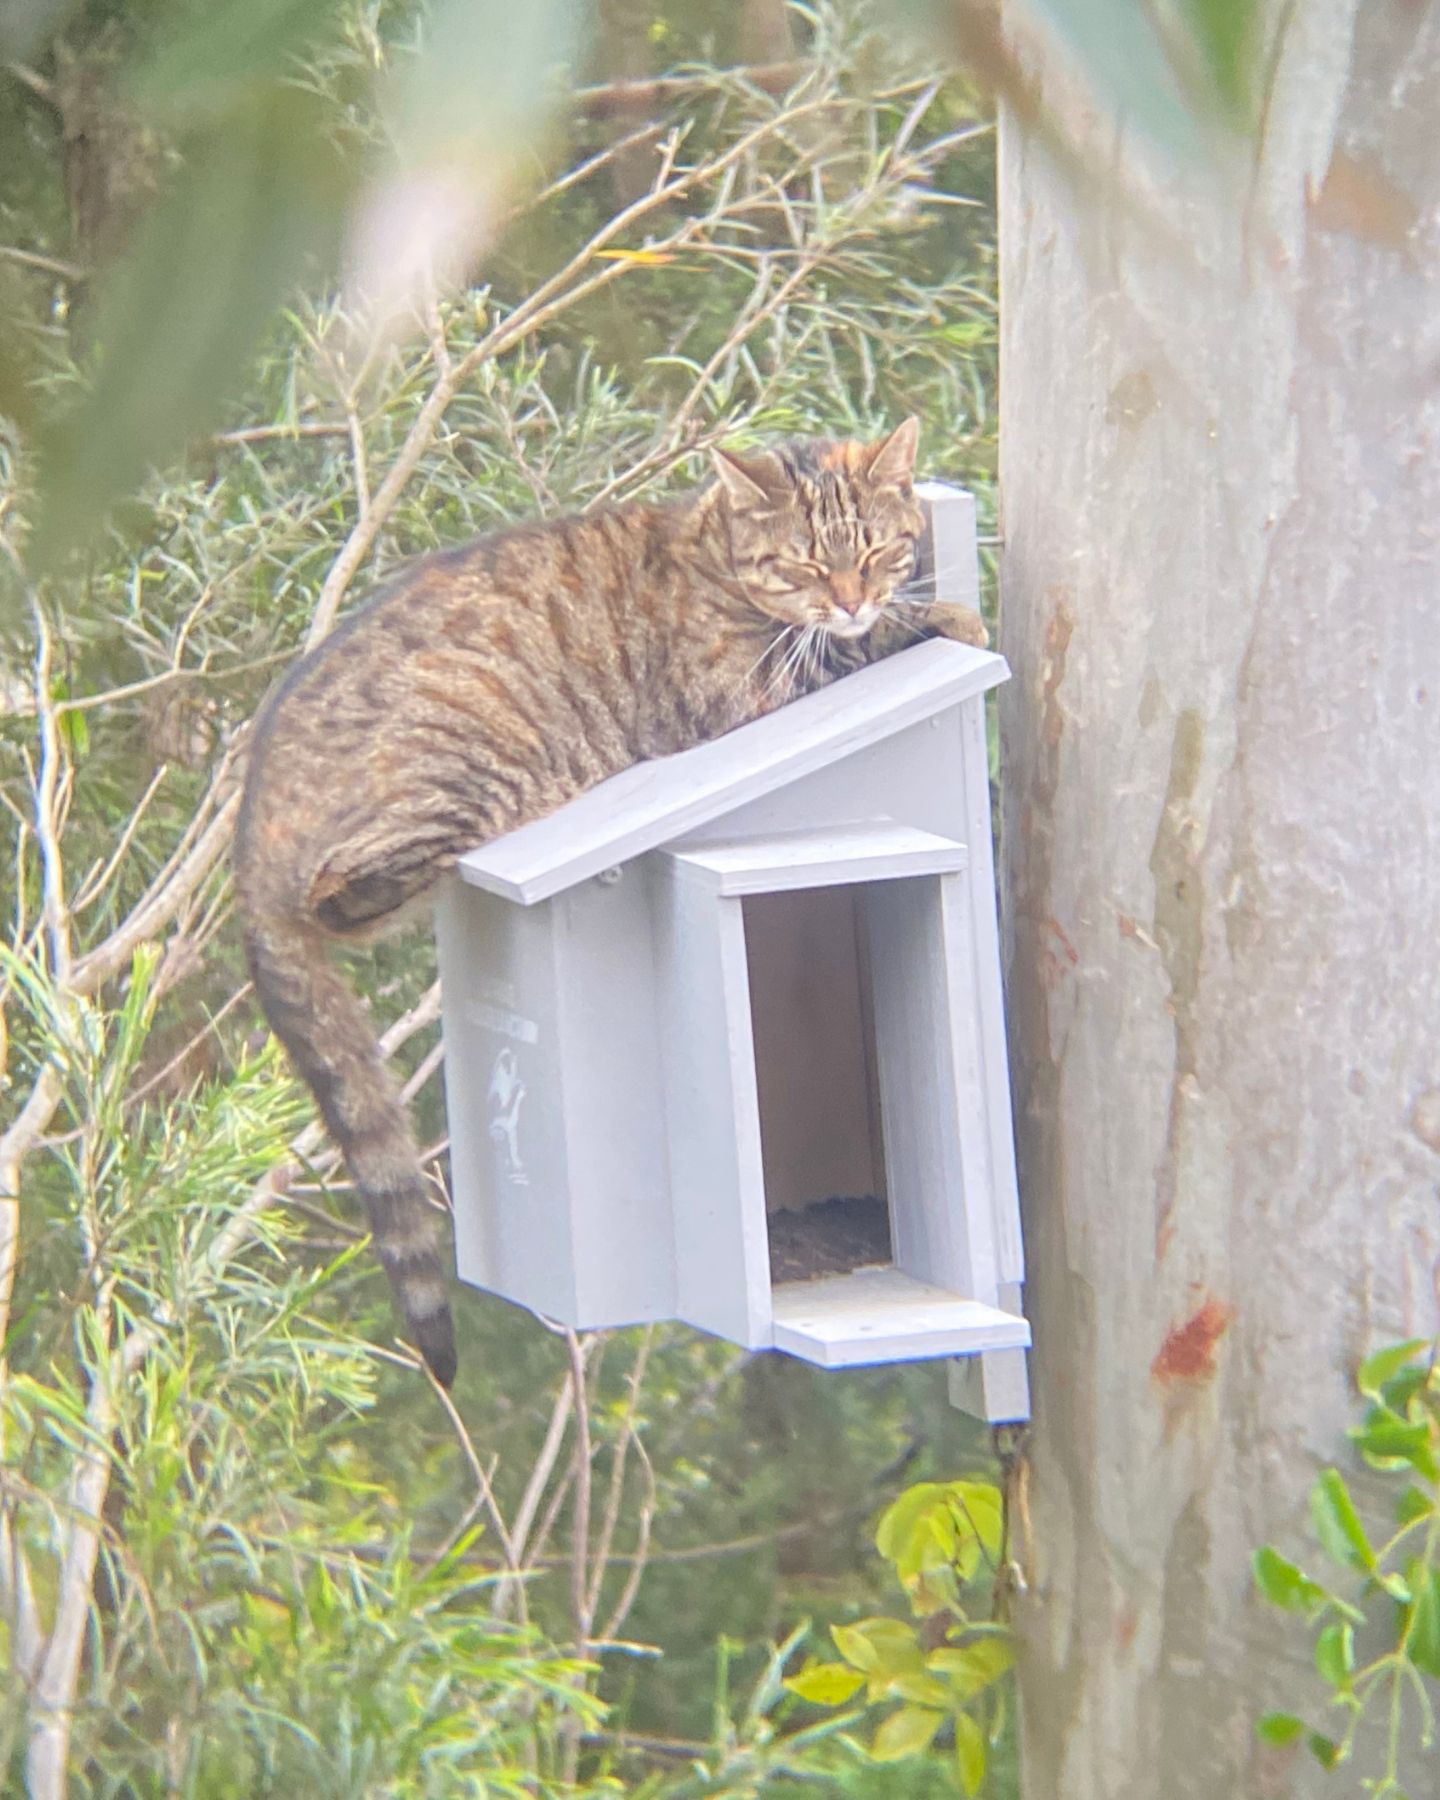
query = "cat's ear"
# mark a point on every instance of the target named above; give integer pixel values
(751, 483)
(892, 461)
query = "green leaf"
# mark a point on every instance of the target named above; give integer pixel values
(873, 1643)
(1422, 1641)
(969, 1753)
(1283, 1584)
(1325, 1750)
(1413, 1504)
(1280, 1728)
(1225, 33)
(1376, 1370)
(905, 1732)
(974, 1667)
(1337, 1524)
(826, 1684)
(1335, 1655)
(922, 1688)
(1388, 1442)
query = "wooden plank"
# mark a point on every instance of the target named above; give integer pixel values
(931, 1094)
(717, 1182)
(988, 1000)
(884, 851)
(950, 556)
(883, 1315)
(655, 801)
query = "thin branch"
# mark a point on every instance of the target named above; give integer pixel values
(616, 1486)
(265, 434)
(95, 885)
(47, 265)
(640, 1558)
(48, 813)
(582, 1611)
(606, 99)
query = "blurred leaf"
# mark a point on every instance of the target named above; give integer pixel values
(1423, 1641)
(1376, 1370)
(1280, 1728)
(208, 58)
(1413, 1504)
(1337, 1524)
(1335, 1655)
(905, 1732)
(1226, 35)
(1283, 1584)
(1325, 1750)
(182, 315)
(974, 1667)
(826, 1684)
(876, 1644)
(466, 117)
(1388, 1442)
(969, 1753)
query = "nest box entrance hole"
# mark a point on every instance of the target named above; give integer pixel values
(821, 1130)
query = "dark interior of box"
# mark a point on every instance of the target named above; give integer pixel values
(820, 1126)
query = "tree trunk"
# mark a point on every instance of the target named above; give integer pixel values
(1221, 487)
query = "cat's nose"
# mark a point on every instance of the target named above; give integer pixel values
(846, 589)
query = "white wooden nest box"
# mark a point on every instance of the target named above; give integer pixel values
(724, 1039)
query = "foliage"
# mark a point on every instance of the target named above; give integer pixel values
(244, 1549)
(1387, 1595)
(940, 1538)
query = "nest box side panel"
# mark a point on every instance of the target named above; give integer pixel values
(614, 1109)
(717, 1182)
(904, 779)
(932, 1099)
(974, 763)
(504, 1099)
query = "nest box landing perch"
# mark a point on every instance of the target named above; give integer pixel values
(724, 1039)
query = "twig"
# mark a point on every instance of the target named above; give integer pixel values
(580, 1606)
(48, 824)
(47, 265)
(641, 1556)
(616, 1485)
(610, 97)
(264, 434)
(95, 885)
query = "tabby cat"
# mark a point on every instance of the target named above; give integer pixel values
(486, 685)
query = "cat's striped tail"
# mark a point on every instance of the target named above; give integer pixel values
(331, 1041)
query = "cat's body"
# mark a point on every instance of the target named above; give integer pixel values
(486, 686)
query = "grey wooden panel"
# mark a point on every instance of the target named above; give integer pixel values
(884, 1315)
(614, 1110)
(950, 556)
(909, 778)
(503, 1097)
(722, 1261)
(657, 801)
(989, 1000)
(833, 856)
(812, 1060)
(931, 1090)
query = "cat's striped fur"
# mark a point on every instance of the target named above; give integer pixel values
(485, 686)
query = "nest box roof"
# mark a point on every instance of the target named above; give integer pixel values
(654, 803)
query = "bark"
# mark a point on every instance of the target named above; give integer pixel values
(1220, 481)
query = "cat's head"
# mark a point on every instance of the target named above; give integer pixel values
(824, 534)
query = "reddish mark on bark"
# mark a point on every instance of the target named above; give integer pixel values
(1126, 1625)
(1058, 633)
(1188, 1353)
(1072, 955)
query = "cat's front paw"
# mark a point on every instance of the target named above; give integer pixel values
(960, 623)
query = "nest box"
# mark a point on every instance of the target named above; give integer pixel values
(724, 1039)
